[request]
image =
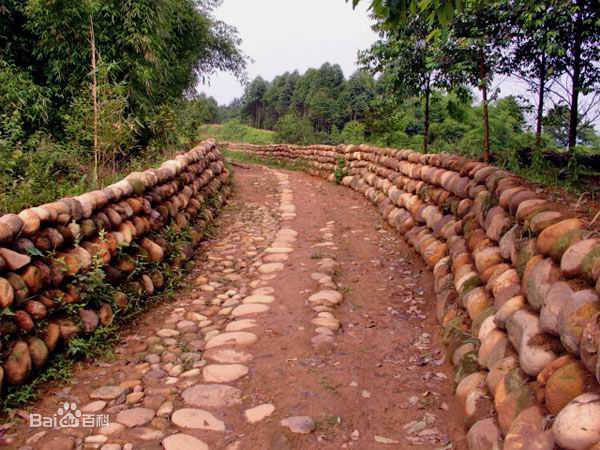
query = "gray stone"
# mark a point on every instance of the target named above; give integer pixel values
(135, 417)
(212, 395)
(183, 442)
(108, 393)
(299, 424)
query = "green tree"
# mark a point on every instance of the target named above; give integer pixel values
(557, 124)
(410, 56)
(353, 133)
(399, 11)
(253, 102)
(294, 129)
(473, 51)
(534, 56)
(160, 49)
(579, 28)
(354, 102)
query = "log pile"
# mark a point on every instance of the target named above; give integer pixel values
(46, 252)
(516, 279)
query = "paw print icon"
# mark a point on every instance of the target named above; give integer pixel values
(69, 415)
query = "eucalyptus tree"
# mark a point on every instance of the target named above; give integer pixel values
(253, 102)
(579, 36)
(478, 37)
(534, 54)
(410, 57)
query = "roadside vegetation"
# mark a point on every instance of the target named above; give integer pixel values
(235, 131)
(93, 89)
(431, 83)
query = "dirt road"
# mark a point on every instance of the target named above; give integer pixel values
(307, 323)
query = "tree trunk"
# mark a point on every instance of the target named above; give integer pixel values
(484, 95)
(94, 102)
(575, 80)
(540, 110)
(426, 118)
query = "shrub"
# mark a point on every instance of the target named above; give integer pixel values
(353, 133)
(294, 129)
(235, 131)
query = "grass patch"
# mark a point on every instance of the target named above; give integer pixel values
(328, 424)
(234, 131)
(297, 165)
(328, 386)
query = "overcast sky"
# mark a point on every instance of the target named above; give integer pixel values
(284, 35)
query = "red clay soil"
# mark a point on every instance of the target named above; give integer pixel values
(382, 278)
(385, 380)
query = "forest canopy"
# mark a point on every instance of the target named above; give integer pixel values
(102, 80)
(431, 82)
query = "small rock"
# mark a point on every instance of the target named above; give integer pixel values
(299, 424)
(110, 447)
(167, 333)
(212, 396)
(96, 439)
(93, 407)
(258, 413)
(165, 409)
(108, 393)
(135, 417)
(197, 419)
(183, 442)
(147, 434)
(58, 443)
(135, 398)
(111, 428)
(224, 373)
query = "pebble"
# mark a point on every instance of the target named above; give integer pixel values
(299, 424)
(93, 407)
(197, 419)
(212, 396)
(248, 309)
(135, 417)
(165, 409)
(264, 299)
(241, 324)
(111, 447)
(96, 439)
(111, 428)
(224, 373)
(228, 356)
(327, 296)
(108, 393)
(168, 333)
(147, 434)
(271, 267)
(259, 412)
(236, 338)
(183, 442)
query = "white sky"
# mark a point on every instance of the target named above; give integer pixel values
(285, 35)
